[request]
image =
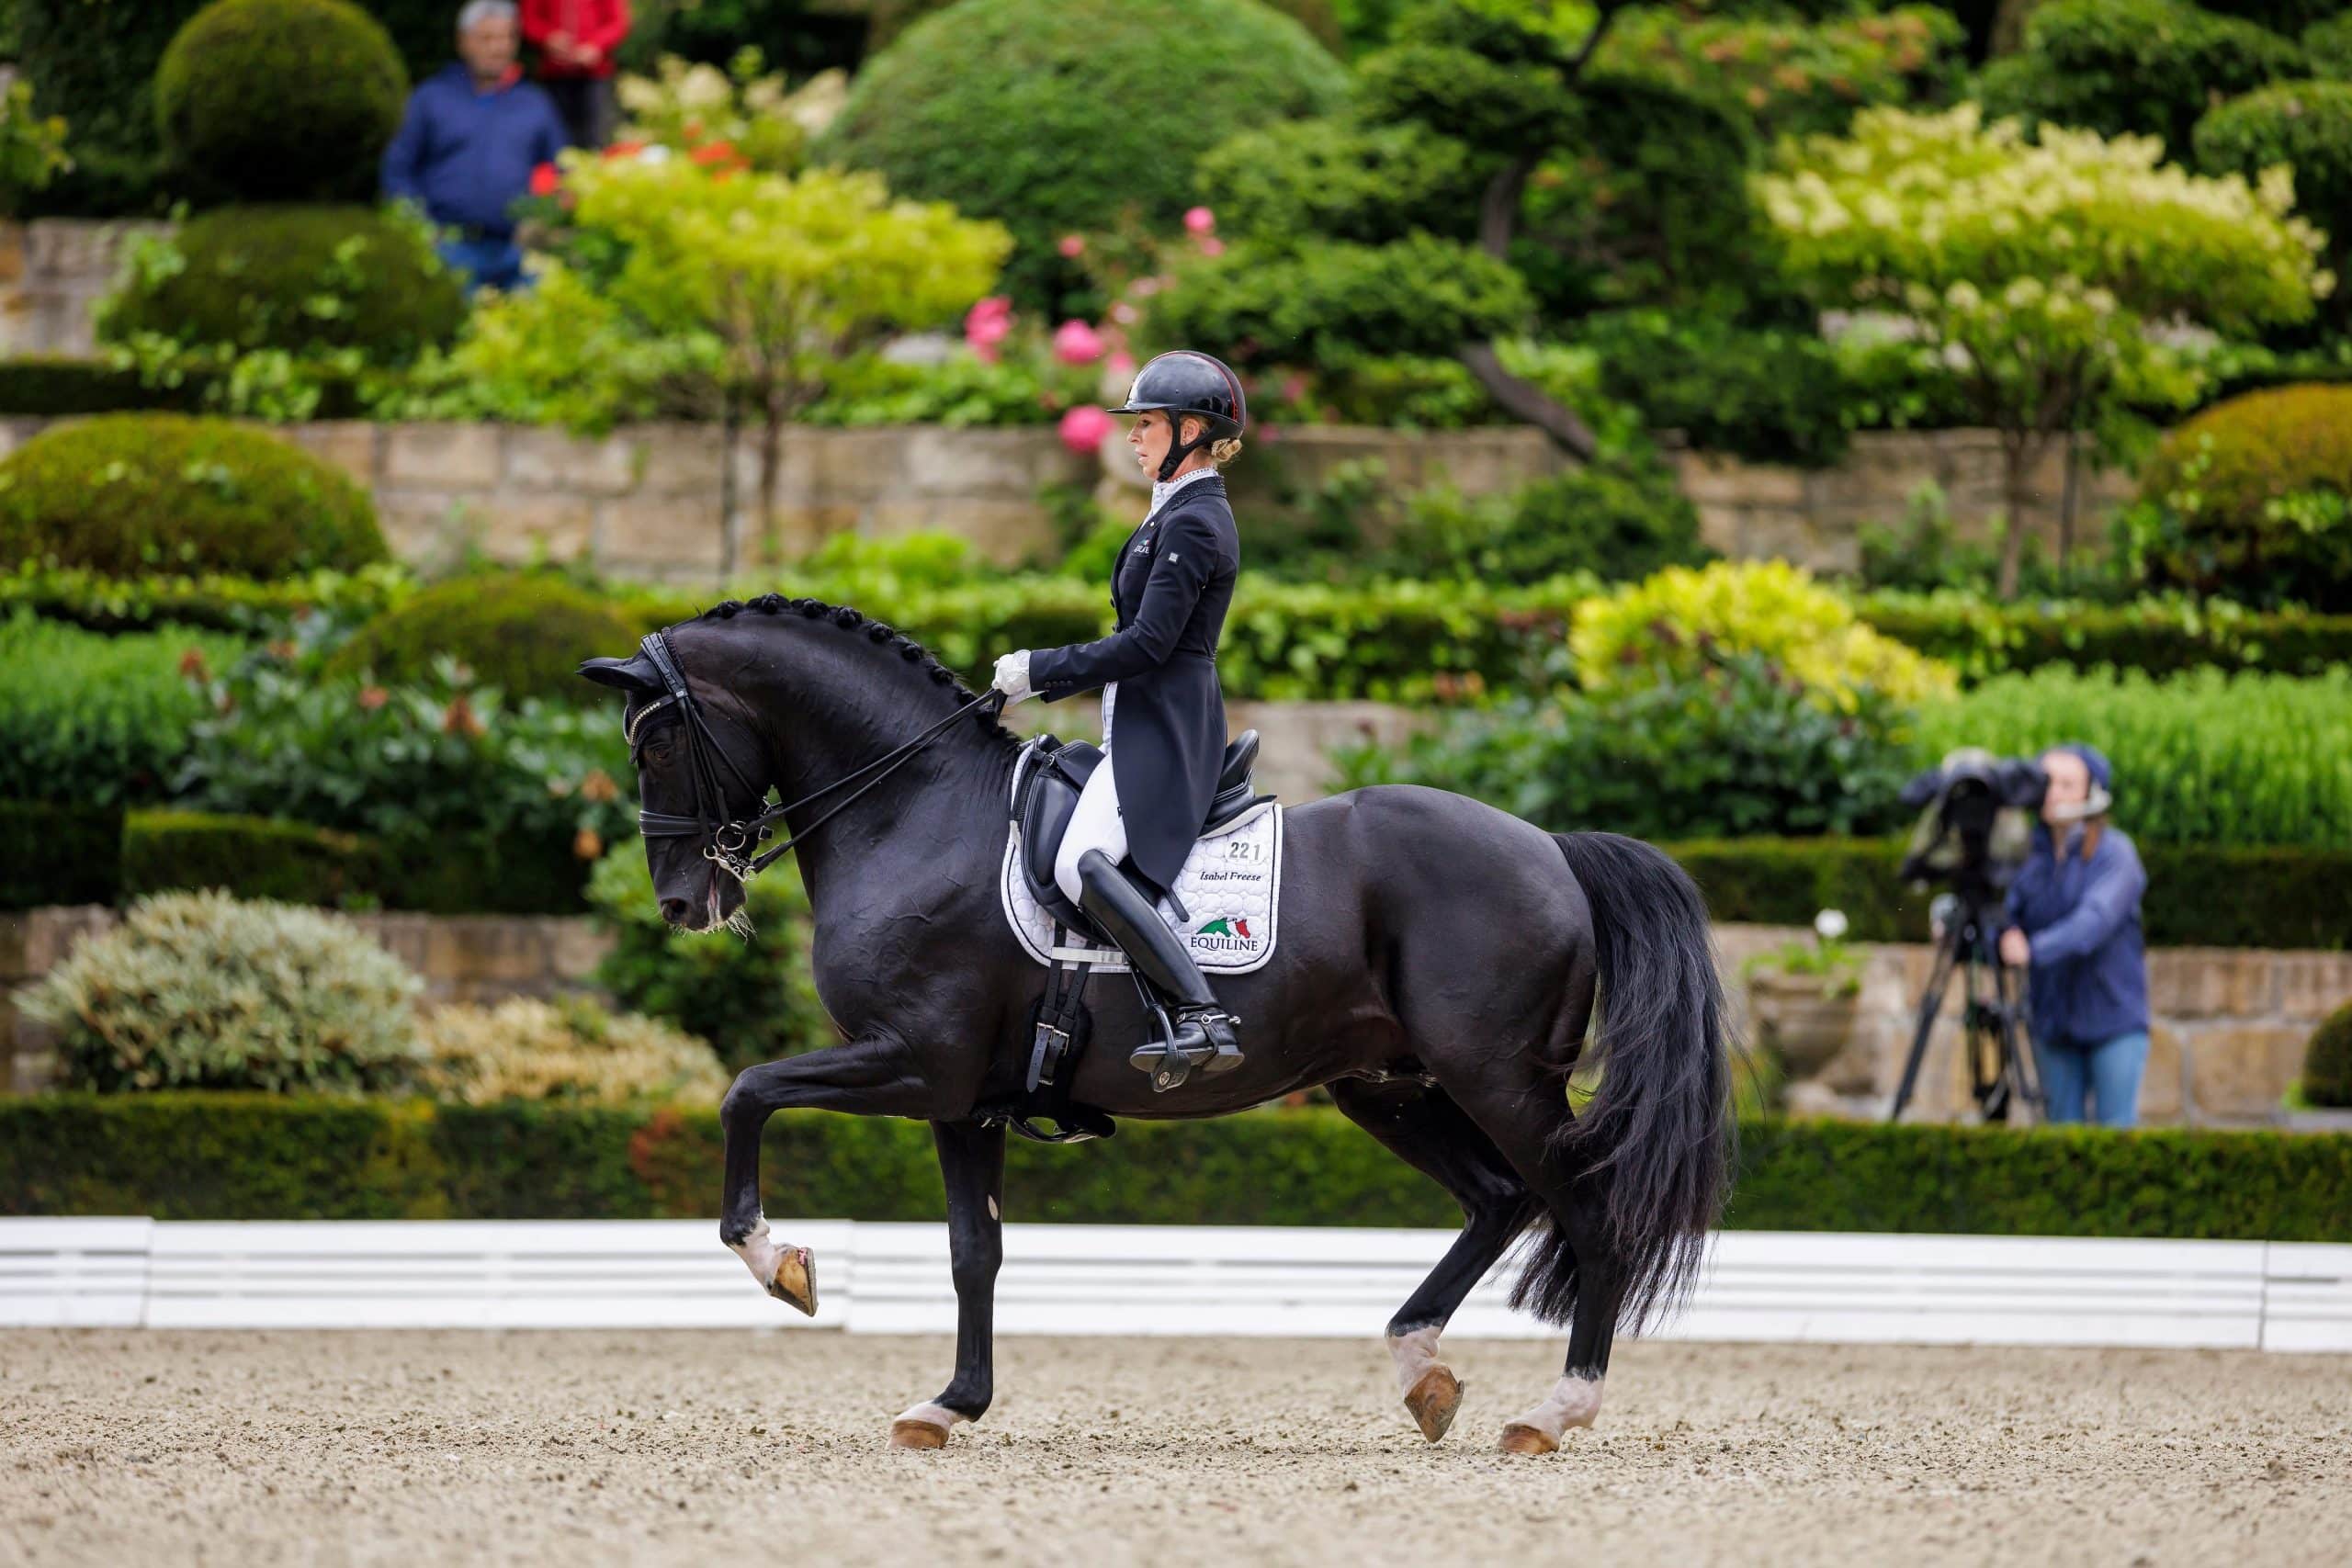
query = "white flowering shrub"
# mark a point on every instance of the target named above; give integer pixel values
(200, 990)
(571, 1050)
(2037, 267)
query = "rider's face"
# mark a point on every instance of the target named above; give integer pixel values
(1149, 438)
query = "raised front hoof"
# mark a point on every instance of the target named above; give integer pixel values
(907, 1432)
(795, 1280)
(1521, 1439)
(1434, 1401)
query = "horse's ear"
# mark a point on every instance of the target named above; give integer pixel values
(635, 673)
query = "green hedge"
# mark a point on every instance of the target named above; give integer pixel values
(55, 386)
(2198, 895)
(57, 855)
(2159, 636)
(192, 1156)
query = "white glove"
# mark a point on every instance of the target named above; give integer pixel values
(1012, 677)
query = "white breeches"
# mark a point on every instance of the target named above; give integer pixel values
(1095, 825)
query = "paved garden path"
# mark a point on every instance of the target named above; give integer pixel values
(416, 1449)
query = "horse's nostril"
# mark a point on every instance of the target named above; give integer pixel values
(674, 911)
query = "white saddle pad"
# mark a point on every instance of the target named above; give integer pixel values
(1231, 885)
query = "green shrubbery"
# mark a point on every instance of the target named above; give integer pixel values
(571, 1050)
(2308, 127)
(1734, 748)
(1048, 115)
(2327, 1061)
(98, 719)
(58, 854)
(523, 634)
(2253, 499)
(2202, 757)
(2147, 66)
(1618, 522)
(1328, 301)
(279, 101)
(305, 280)
(130, 493)
(214, 1156)
(196, 990)
(2157, 637)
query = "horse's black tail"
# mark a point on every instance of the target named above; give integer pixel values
(1657, 1133)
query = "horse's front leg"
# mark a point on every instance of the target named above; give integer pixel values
(866, 1078)
(971, 1163)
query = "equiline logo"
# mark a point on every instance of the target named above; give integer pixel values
(1225, 934)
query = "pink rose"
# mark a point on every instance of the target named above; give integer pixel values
(1126, 315)
(1074, 342)
(987, 324)
(1072, 245)
(1211, 245)
(1120, 364)
(1200, 220)
(1084, 427)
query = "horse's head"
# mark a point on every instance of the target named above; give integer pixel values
(700, 769)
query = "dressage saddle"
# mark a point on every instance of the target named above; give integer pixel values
(1057, 771)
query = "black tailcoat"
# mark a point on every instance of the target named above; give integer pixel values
(1171, 589)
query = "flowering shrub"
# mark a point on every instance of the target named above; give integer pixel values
(1680, 621)
(1793, 75)
(196, 990)
(569, 1049)
(743, 109)
(2034, 266)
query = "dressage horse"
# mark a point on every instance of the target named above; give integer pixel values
(1438, 969)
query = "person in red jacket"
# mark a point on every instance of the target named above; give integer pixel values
(576, 41)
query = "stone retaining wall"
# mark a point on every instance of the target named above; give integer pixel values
(2228, 1037)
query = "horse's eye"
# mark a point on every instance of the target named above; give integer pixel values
(658, 751)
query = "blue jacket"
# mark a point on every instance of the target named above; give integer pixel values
(2090, 979)
(465, 156)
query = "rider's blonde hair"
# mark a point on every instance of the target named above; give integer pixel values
(1225, 451)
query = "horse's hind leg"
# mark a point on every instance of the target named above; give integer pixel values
(1428, 1131)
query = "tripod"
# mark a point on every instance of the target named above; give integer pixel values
(2000, 1070)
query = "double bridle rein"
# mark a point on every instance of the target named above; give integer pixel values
(728, 840)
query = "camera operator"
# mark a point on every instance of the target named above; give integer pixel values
(2073, 916)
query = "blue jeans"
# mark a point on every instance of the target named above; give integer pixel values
(486, 262)
(2110, 1072)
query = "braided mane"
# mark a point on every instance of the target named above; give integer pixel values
(879, 633)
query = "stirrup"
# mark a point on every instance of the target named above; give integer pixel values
(1178, 1049)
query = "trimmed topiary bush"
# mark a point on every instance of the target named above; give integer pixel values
(2327, 1060)
(310, 280)
(2147, 66)
(124, 494)
(523, 633)
(1052, 116)
(2308, 126)
(2253, 499)
(249, 857)
(2327, 47)
(279, 101)
(196, 990)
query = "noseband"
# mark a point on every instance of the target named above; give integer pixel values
(728, 842)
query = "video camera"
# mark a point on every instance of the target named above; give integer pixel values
(1975, 828)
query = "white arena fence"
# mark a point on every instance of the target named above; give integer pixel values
(893, 1278)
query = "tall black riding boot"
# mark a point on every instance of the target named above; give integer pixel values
(1119, 906)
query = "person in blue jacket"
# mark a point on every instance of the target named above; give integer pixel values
(474, 135)
(2074, 926)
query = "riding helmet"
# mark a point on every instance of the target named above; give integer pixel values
(1186, 381)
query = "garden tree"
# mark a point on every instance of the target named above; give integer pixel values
(2036, 269)
(2306, 126)
(692, 287)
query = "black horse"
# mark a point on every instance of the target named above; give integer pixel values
(1437, 968)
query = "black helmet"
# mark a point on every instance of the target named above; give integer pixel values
(1188, 382)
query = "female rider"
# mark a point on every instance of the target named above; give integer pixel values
(1158, 670)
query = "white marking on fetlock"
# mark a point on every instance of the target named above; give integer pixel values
(1573, 1402)
(1416, 1353)
(934, 1415)
(759, 1253)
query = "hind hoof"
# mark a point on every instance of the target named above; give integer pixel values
(1434, 1401)
(908, 1433)
(1522, 1439)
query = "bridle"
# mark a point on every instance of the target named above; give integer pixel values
(728, 840)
